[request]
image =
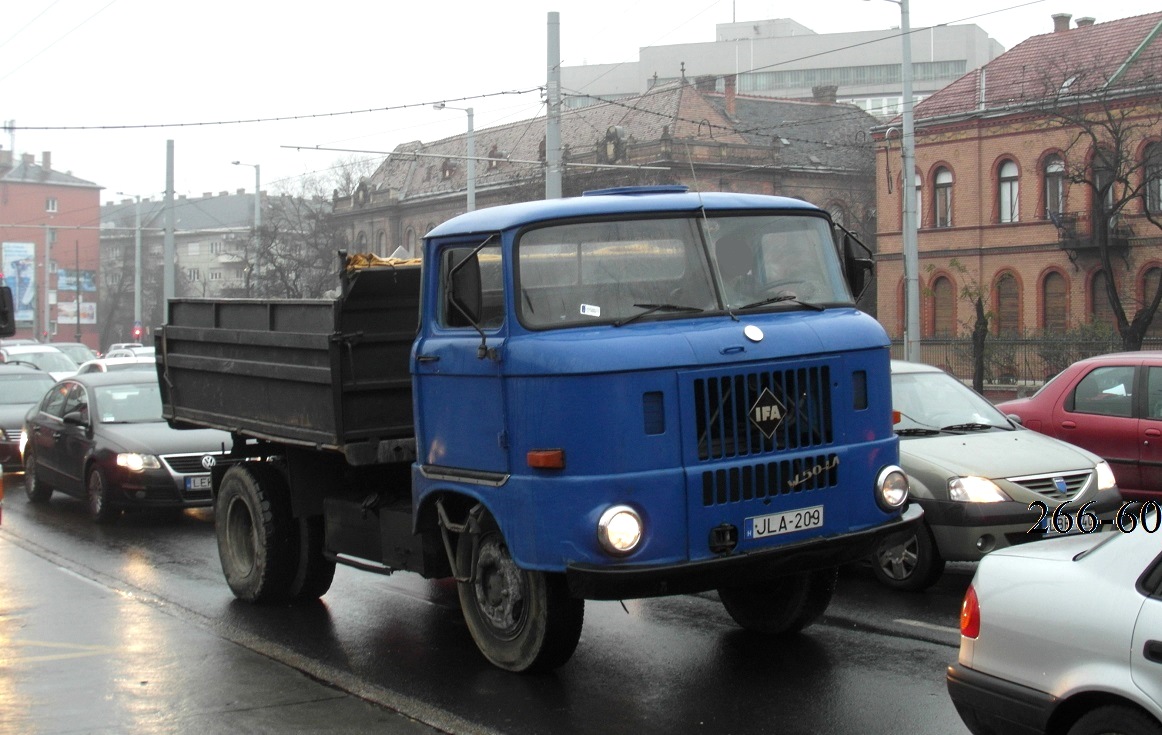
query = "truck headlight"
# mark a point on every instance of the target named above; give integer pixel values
(135, 462)
(975, 490)
(891, 488)
(619, 530)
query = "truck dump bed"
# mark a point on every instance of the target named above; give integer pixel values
(324, 373)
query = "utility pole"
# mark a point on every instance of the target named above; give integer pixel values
(168, 246)
(553, 118)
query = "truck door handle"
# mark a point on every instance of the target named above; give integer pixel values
(1153, 651)
(427, 358)
(1068, 425)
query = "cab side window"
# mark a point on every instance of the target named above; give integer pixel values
(77, 400)
(1106, 391)
(54, 401)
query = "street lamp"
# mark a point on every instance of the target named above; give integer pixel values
(257, 218)
(910, 244)
(471, 152)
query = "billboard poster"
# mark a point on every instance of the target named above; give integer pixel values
(66, 281)
(18, 261)
(66, 312)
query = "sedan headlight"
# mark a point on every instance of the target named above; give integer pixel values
(135, 462)
(1105, 476)
(975, 490)
(619, 530)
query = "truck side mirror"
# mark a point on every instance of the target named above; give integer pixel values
(858, 265)
(465, 296)
(7, 313)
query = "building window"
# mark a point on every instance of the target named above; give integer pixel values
(50, 204)
(216, 247)
(943, 197)
(919, 189)
(1054, 186)
(1053, 303)
(1154, 177)
(193, 274)
(1099, 301)
(361, 242)
(194, 248)
(410, 243)
(1008, 305)
(215, 275)
(943, 308)
(1009, 206)
(381, 243)
(1149, 285)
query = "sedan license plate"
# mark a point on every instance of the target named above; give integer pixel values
(198, 482)
(789, 522)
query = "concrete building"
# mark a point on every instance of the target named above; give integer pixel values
(782, 58)
(48, 232)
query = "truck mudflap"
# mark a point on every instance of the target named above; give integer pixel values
(593, 582)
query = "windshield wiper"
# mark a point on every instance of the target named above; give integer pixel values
(778, 299)
(654, 308)
(917, 431)
(970, 427)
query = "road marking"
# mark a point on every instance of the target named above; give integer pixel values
(68, 650)
(929, 626)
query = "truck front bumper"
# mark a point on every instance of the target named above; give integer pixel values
(595, 582)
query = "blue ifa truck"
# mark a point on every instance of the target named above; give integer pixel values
(632, 393)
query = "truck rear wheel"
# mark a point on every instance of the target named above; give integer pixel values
(521, 620)
(783, 605)
(257, 539)
(314, 572)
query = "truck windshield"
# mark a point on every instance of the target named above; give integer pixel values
(612, 272)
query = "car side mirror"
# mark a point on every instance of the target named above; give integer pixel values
(1014, 418)
(76, 418)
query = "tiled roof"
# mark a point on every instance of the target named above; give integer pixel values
(1039, 67)
(32, 173)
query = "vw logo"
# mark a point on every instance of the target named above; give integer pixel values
(208, 461)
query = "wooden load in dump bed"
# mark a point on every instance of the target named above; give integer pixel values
(322, 373)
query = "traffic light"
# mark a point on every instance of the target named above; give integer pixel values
(137, 332)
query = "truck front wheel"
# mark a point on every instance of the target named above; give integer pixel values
(256, 539)
(521, 620)
(783, 605)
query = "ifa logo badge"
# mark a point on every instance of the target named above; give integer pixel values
(767, 413)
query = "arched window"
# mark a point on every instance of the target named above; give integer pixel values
(1054, 186)
(1007, 188)
(943, 197)
(361, 241)
(1053, 303)
(1008, 305)
(943, 308)
(1149, 285)
(410, 243)
(919, 202)
(381, 243)
(1099, 301)
(1154, 177)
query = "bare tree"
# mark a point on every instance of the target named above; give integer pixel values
(1109, 115)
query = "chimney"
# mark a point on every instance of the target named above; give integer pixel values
(729, 82)
(705, 82)
(825, 92)
(1084, 22)
(207, 194)
(46, 160)
(240, 191)
(27, 159)
(1061, 22)
(5, 158)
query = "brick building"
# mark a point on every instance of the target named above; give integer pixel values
(1005, 184)
(48, 234)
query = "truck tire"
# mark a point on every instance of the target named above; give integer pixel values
(909, 561)
(521, 620)
(780, 606)
(37, 490)
(314, 572)
(257, 537)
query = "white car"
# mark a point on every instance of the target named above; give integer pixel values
(110, 364)
(1065, 635)
(42, 357)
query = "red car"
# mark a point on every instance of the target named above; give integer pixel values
(1110, 405)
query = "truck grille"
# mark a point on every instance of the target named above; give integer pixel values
(1071, 484)
(724, 405)
(768, 479)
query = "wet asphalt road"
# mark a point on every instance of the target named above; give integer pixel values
(376, 646)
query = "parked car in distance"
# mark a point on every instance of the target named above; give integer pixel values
(122, 345)
(1112, 406)
(21, 387)
(101, 437)
(1065, 635)
(111, 364)
(975, 474)
(41, 356)
(132, 352)
(77, 351)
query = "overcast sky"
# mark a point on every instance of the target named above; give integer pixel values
(360, 74)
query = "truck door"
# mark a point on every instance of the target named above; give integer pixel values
(460, 422)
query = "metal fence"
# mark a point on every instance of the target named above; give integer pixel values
(1027, 360)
